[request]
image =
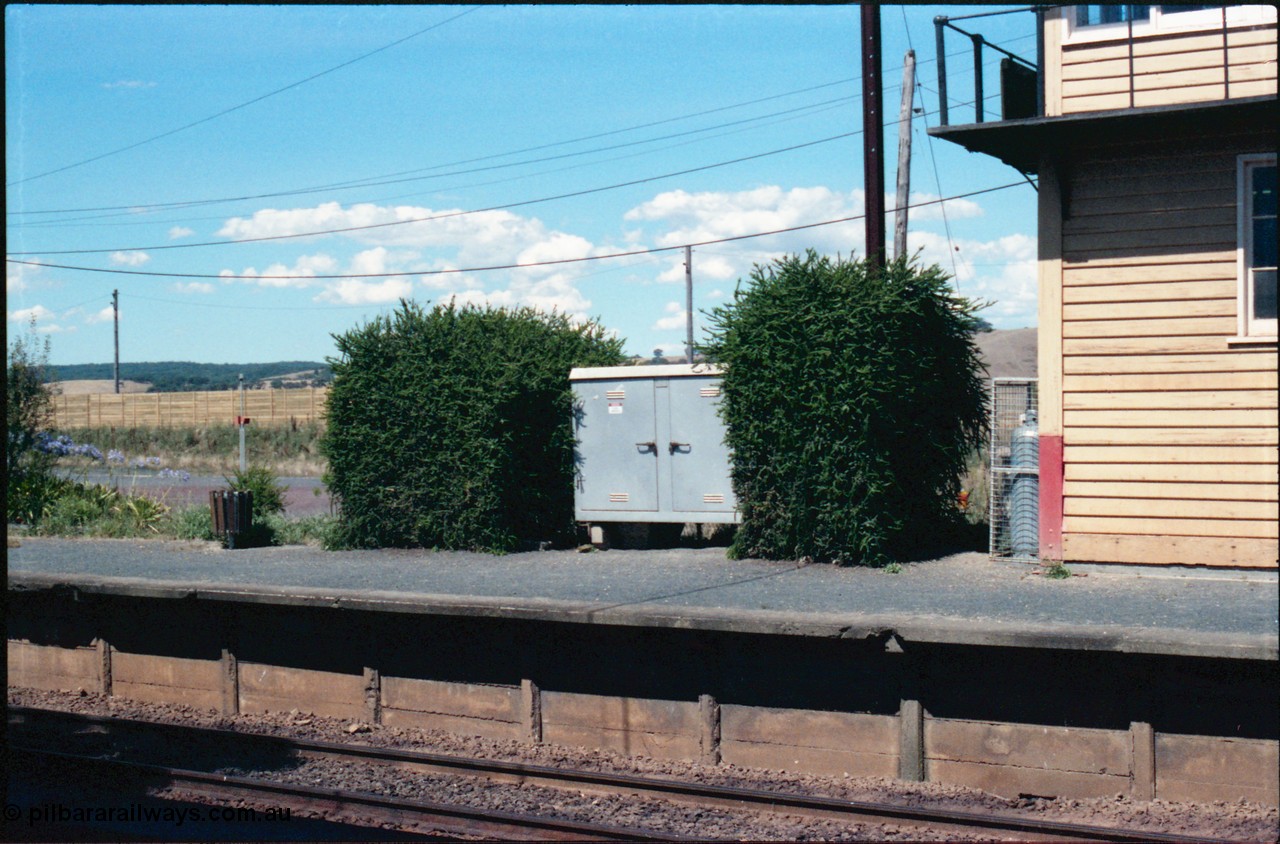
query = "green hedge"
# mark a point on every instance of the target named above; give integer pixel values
(452, 428)
(851, 400)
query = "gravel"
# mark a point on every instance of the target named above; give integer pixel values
(1238, 821)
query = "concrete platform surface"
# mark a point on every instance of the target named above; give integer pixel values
(962, 599)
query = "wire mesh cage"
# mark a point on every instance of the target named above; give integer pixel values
(1014, 497)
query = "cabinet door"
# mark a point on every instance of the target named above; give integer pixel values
(699, 458)
(616, 460)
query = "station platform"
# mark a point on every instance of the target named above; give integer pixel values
(958, 670)
(965, 599)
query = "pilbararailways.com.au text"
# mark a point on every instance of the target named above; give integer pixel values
(137, 813)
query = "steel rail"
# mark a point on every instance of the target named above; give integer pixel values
(848, 811)
(429, 817)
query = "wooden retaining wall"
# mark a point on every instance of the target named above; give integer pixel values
(1008, 759)
(171, 410)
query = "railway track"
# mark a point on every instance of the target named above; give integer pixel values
(464, 821)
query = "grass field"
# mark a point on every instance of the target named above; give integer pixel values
(290, 451)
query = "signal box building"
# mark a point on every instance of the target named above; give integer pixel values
(1151, 131)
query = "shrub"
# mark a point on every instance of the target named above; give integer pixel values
(452, 427)
(851, 401)
(268, 493)
(28, 413)
(96, 510)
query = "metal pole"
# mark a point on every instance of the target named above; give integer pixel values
(115, 314)
(243, 464)
(904, 154)
(872, 135)
(688, 301)
(977, 78)
(940, 43)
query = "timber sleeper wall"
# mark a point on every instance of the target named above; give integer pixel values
(170, 410)
(1003, 758)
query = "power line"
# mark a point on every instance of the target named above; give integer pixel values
(456, 271)
(503, 207)
(130, 210)
(240, 307)
(376, 180)
(258, 99)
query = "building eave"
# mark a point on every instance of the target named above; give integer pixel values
(1022, 143)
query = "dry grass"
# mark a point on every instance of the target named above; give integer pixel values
(98, 387)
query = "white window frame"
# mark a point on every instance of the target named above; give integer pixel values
(1255, 330)
(1159, 23)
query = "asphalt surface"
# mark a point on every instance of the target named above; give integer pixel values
(965, 590)
(304, 496)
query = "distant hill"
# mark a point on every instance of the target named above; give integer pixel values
(184, 376)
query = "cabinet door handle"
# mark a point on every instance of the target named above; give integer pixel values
(649, 446)
(673, 447)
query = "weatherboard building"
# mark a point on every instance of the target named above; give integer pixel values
(1151, 131)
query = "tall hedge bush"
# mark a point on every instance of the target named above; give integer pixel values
(851, 400)
(452, 427)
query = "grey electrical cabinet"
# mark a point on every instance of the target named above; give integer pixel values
(650, 445)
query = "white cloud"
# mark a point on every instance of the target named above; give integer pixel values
(1002, 270)
(453, 240)
(180, 231)
(300, 275)
(36, 312)
(675, 319)
(104, 315)
(556, 246)
(128, 84)
(192, 287)
(353, 291)
(130, 259)
(714, 215)
(15, 279)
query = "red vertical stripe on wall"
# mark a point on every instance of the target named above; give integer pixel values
(1051, 497)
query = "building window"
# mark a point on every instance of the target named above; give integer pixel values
(1257, 245)
(1101, 15)
(1103, 22)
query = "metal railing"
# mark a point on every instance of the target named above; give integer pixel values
(1017, 75)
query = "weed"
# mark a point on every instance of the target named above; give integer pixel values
(893, 568)
(1056, 571)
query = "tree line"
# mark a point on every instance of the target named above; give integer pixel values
(186, 376)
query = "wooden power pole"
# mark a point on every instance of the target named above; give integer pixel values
(115, 313)
(872, 135)
(688, 301)
(904, 155)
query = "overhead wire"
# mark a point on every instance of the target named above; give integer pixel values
(460, 270)
(815, 108)
(924, 114)
(374, 180)
(501, 207)
(245, 104)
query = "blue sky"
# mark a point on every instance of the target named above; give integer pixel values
(299, 119)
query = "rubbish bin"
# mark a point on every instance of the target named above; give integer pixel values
(232, 513)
